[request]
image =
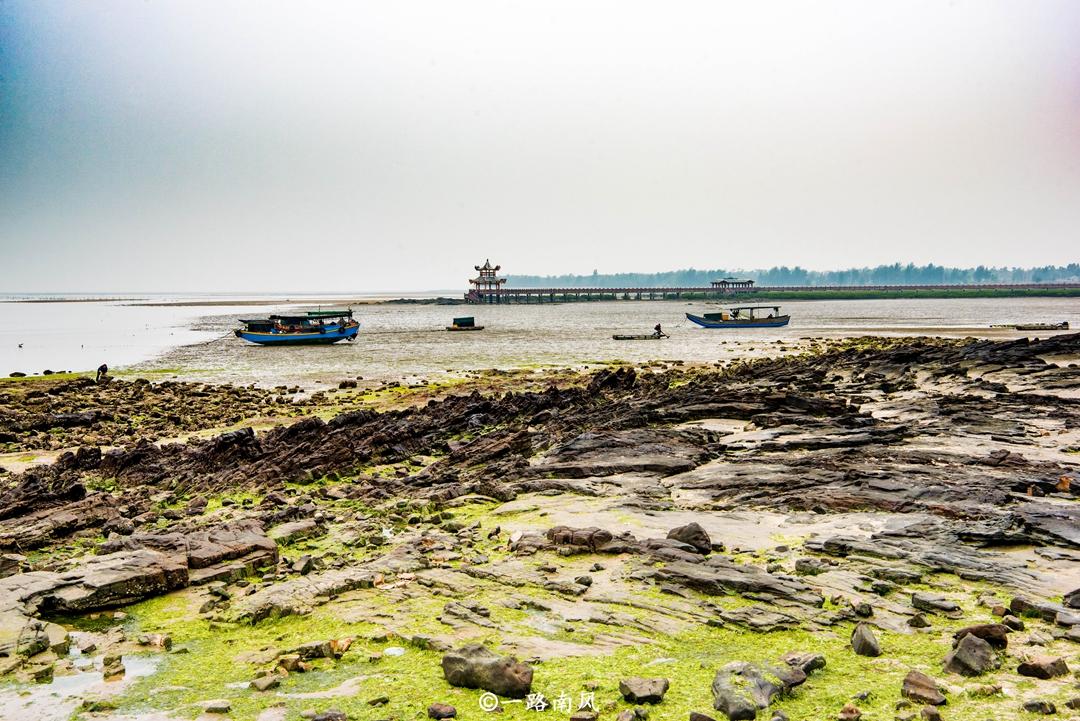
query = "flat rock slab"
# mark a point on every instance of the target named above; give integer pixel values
(202, 548)
(300, 595)
(720, 576)
(99, 582)
(605, 453)
(295, 530)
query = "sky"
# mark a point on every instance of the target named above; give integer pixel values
(218, 145)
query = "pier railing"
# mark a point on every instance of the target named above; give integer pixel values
(570, 295)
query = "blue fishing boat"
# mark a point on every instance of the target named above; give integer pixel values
(746, 316)
(315, 327)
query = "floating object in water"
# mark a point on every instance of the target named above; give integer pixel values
(310, 328)
(742, 317)
(1063, 325)
(465, 323)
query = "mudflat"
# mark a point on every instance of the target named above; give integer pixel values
(876, 527)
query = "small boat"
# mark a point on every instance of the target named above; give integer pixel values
(315, 327)
(1063, 325)
(742, 317)
(465, 323)
(650, 336)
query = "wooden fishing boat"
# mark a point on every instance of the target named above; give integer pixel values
(650, 336)
(1063, 325)
(747, 316)
(315, 327)
(465, 323)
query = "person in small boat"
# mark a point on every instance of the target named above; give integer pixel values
(658, 332)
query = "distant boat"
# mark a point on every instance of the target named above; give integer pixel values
(746, 316)
(649, 336)
(1063, 325)
(315, 327)
(465, 323)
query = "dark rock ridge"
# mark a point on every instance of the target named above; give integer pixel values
(611, 427)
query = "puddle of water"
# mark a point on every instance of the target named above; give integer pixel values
(57, 700)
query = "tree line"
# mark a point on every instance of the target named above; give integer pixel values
(895, 274)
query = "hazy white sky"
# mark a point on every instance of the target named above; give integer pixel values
(216, 145)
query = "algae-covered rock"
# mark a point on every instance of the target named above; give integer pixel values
(330, 715)
(1040, 706)
(21, 636)
(850, 712)
(740, 689)
(476, 666)
(265, 683)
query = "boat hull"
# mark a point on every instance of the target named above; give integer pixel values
(330, 335)
(778, 322)
(638, 337)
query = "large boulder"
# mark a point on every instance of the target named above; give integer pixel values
(995, 634)
(591, 538)
(971, 656)
(694, 535)
(476, 666)
(1021, 606)
(1071, 599)
(740, 689)
(21, 636)
(1044, 667)
(643, 690)
(864, 642)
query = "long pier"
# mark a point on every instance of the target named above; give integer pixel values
(572, 295)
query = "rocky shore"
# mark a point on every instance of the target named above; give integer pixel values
(878, 528)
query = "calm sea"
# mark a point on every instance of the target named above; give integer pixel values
(407, 341)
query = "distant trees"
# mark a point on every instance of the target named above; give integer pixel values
(895, 274)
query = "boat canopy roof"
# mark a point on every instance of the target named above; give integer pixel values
(331, 313)
(756, 307)
(306, 317)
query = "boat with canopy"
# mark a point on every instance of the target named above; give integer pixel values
(746, 316)
(313, 327)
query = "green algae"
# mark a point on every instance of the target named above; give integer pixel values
(215, 666)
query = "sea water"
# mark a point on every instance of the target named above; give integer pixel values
(191, 337)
